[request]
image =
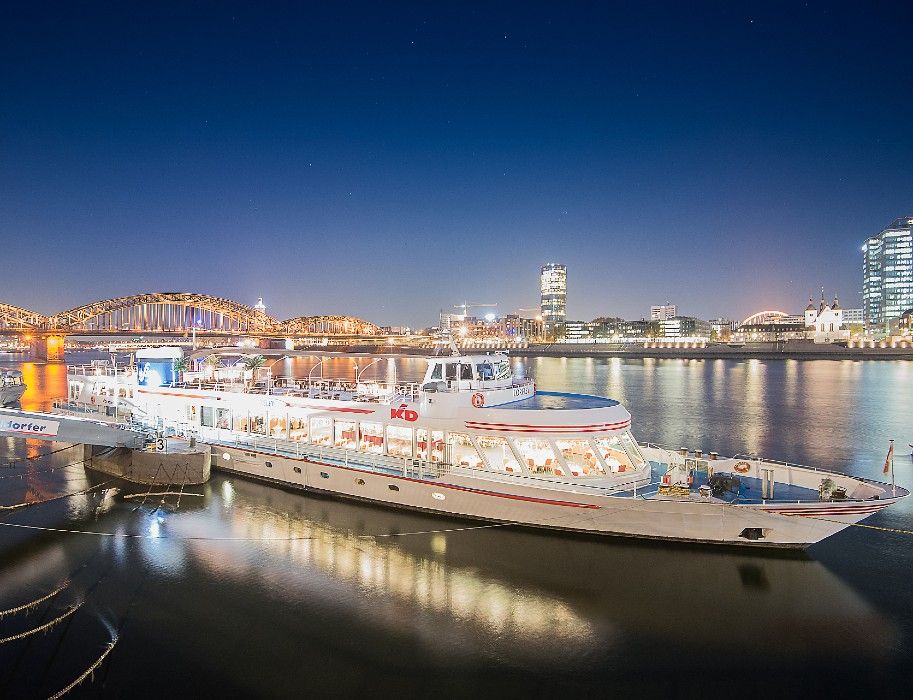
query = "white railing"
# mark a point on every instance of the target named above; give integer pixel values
(407, 466)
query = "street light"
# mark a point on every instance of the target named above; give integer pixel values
(366, 367)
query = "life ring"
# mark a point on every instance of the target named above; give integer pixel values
(478, 400)
(742, 467)
(667, 480)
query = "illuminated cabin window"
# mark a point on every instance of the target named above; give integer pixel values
(278, 426)
(321, 430)
(464, 452)
(297, 428)
(538, 456)
(498, 454)
(223, 418)
(399, 441)
(345, 434)
(433, 452)
(324, 475)
(580, 457)
(393, 487)
(619, 452)
(297, 470)
(371, 437)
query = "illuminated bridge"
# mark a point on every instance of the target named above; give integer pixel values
(170, 313)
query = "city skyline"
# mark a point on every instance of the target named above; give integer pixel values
(248, 153)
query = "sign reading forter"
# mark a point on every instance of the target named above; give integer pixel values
(29, 426)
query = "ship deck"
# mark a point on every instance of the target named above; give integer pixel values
(749, 489)
(554, 400)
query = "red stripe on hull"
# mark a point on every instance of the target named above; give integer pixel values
(549, 431)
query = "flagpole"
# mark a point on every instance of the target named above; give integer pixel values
(893, 485)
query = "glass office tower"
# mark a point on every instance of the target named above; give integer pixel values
(887, 286)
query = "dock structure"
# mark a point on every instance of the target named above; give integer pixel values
(52, 427)
(113, 449)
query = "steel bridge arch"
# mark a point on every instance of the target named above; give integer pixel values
(328, 325)
(19, 319)
(240, 317)
(765, 317)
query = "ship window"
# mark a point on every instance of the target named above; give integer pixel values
(345, 434)
(277, 426)
(465, 371)
(399, 441)
(451, 371)
(464, 452)
(538, 456)
(502, 370)
(498, 454)
(269, 464)
(360, 481)
(297, 428)
(241, 422)
(297, 470)
(223, 418)
(580, 457)
(258, 424)
(207, 416)
(633, 451)
(393, 487)
(421, 443)
(321, 430)
(436, 373)
(324, 475)
(485, 371)
(619, 452)
(371, 437)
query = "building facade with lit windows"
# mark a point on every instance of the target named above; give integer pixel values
(887, 286)
(553, 294)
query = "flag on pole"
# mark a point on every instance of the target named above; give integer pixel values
(887, 461)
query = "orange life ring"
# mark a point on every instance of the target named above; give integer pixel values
(667, 480)
(742, 467)
(478, 400)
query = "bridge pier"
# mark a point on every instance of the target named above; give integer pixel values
(46, 347)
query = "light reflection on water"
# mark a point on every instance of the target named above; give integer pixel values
(245, 614)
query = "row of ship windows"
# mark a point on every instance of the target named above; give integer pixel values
(577, 457)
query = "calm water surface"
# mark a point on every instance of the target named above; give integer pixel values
(249, 590)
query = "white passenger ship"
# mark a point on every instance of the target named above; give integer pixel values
(471, 440)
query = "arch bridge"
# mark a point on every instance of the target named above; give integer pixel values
(169, 313)
(764, 317)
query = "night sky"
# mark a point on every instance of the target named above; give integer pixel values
(386, 160)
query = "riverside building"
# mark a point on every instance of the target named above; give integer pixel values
(887, 287)
(553, 289)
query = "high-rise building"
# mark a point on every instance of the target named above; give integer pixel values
(663, 312)
(553, 288)
(887, 285)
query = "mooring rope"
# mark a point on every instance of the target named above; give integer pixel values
(22, 475)
(34, 603)
(88, 672)
(16, 506)
(9, 465)
(163, 493)
(41, 628)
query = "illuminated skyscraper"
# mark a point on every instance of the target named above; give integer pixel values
(887, 285)
(553, 288)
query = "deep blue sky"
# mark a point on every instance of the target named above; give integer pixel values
(387, 160)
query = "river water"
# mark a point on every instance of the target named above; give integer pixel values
(250, 590)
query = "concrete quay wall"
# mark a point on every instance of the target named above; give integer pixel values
(189, 466)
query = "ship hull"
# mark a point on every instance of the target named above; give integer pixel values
(464, 496)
